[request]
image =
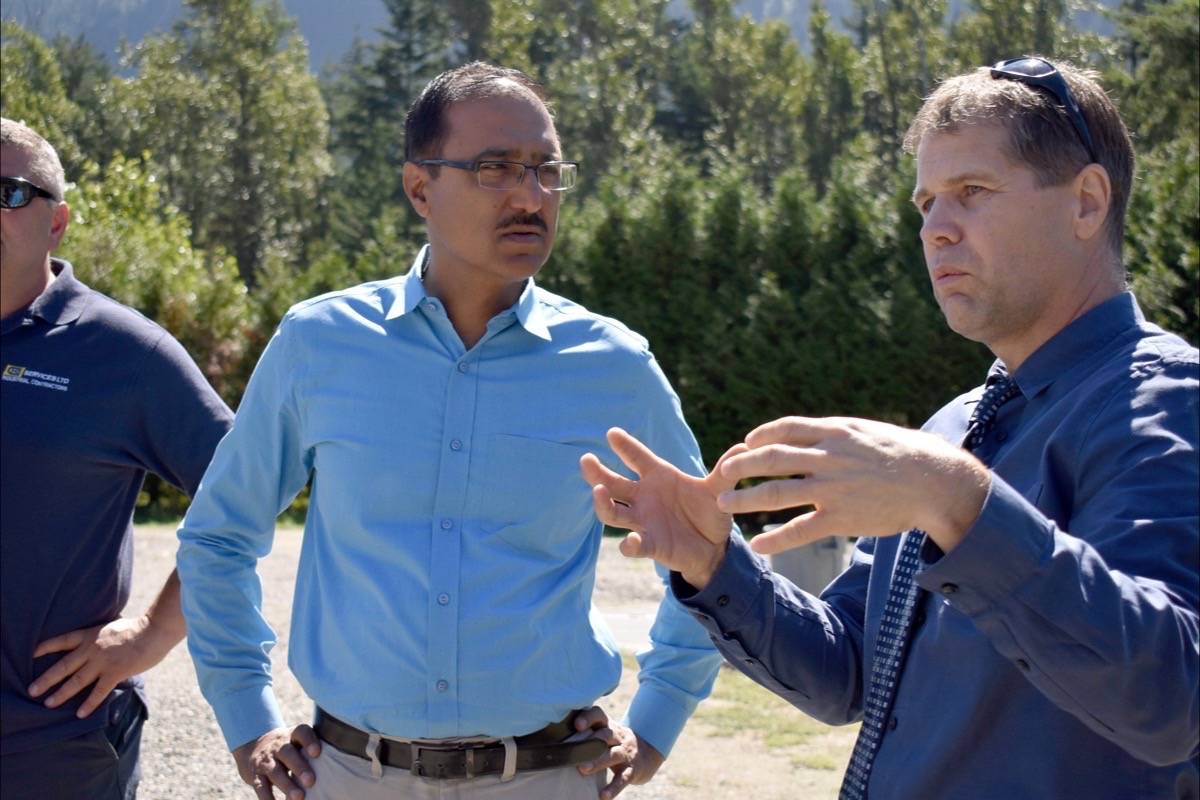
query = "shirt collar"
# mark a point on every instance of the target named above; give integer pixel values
(1076, 345)
(530, 312)
(63, 300)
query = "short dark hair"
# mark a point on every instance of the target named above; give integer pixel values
(425, 123)
(1040, 133)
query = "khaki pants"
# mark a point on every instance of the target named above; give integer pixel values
(346, 777)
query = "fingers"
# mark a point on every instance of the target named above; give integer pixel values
(770, 496)
(773, 460)
(593, 718)
(610, 512)
(798, 431)
(636, 546)
(616, 785)
(717, 480)
(99, 692)
(82, 679)
(306, 740)
(66, 666)
(65, 641)
(595, 473)
(804, 529)
(636, 455)
(290, 763)
(262, 789)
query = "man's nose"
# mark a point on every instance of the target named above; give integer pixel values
(940, 227)
(529, 194)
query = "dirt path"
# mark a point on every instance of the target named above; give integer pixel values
(183, 754)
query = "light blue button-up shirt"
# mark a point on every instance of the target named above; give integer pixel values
(445, 580)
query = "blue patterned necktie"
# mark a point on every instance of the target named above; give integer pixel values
(903, 594)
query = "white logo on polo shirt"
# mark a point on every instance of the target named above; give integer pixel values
(32, 377)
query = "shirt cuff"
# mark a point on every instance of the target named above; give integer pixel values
(658, 715)
(1009, 541)
(247, 714)
(729, 595)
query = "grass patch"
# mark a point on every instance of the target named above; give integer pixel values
(819, 761)
(739, 705)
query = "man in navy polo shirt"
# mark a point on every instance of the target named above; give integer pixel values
(94, 395)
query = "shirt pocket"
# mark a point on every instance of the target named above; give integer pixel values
(531, 495)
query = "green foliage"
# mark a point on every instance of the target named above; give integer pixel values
(743, 206)
(232, 78)
(31, 91)
(1163, 237)
(368, 95)
(126, 241)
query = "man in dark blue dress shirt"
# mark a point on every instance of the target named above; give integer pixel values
(94, 395)
(1050, 647)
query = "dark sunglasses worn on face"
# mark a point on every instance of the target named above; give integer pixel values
(554, 176)
(18, 192)
(1039, 73)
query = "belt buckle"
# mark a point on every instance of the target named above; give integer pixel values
(417, 767)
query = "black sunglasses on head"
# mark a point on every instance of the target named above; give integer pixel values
(18, 192)
(1039, 73)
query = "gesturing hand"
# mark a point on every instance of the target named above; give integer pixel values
(632, 760)
(277, 758)
(863, 478)
(673, 516)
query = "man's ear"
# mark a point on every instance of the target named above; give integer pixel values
(416, 179)
(1093, 194)
(58, 225)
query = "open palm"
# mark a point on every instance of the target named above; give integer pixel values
(673, 516)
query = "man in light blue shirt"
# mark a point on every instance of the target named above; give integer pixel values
(445, 581)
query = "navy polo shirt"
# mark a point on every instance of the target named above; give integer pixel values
(93, 396)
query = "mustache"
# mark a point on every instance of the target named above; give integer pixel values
(522, 219)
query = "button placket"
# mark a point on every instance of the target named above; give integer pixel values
(449, 505)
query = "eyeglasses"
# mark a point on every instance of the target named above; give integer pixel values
(554, 176)
(18, 193)
(1039, 73)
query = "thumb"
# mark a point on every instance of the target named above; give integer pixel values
(636, 545)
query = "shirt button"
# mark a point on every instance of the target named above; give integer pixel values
(462, 366)
(443, 686)
(1023, 665)
(893, 722)
(456, 444)
(447, 524)
(443, 599)
(949, 588)
(723, 600)
(1001, 436)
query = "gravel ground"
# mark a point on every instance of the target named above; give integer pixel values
(183, 754)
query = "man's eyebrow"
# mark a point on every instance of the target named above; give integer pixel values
(508, 154)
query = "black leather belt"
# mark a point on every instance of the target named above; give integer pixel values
(542, 749)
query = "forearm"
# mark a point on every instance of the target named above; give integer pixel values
(164, 617)
(805, 649)
(1086, 625)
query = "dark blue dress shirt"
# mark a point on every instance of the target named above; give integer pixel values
(1055, 654)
